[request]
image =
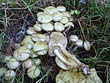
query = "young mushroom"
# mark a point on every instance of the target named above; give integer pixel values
(50, 10)
(61, 8)
(40, 48)
(87, 45)
(40, 37)
(31, 62)
(27, 42)
(9, 74)
(30, 31)
(22, 53)
(57, 16)
(47, 27)
(59, 26)
(37, 27)
(33, 72)
(12, 63)
(44, 18)
(2, 71)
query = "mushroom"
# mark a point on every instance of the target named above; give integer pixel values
(33, 72)
(12, 63)
(27, 41)
(79, 43)
(61, 8)
(75, 76)
(30, 31)
(73, 38)
(64, 20)
(59, 26)
(57, 16)
(37, 27)
(9, 74)
(22, 53)
(40, 37)
(40, 48)
(87, 45)
(56, 37)
(31, 62)
(69, 24)
(47, 27)
(2, 71)
(50, 10)
(44, 18)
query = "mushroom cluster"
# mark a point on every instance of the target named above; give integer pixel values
(52, 21)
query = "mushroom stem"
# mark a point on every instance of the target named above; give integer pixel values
(67, 54)
(59, 55)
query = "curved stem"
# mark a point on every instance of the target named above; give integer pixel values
(58, 54)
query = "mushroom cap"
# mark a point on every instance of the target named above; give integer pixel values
(61, 8)
(37, 27)
(73, 38)
(27, 41)
(55, 38)
(57, 16)
(44, 18)
(40, 48)
(33, 72)
(66, 14)
(30, 31)
(9, 74)
(22, 53)
(31, 62)
(87, 45)
(69, 24)
(47, 27)
(79, 43)
(12, 63)
(73, 76)
(64, 20)
(59, 26)
(50, 10)
(2, 71)
(39, 37)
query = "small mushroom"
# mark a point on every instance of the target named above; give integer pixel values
(30, 31)
(22, 53)
(59, 26)
(50, 10)
(40, 37)
(31, 62)
(57, 16)
(9, 74)
(79, 43)
(56, 37)
(37, 27)
(73, 38)
(40, 48)
(44, 18)
(87, 45)
(2, 71)
(12, 63)
(33, 72)
(61, 8)
(69, 24)
(27, 41)
(64, 20)
(47, 27)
